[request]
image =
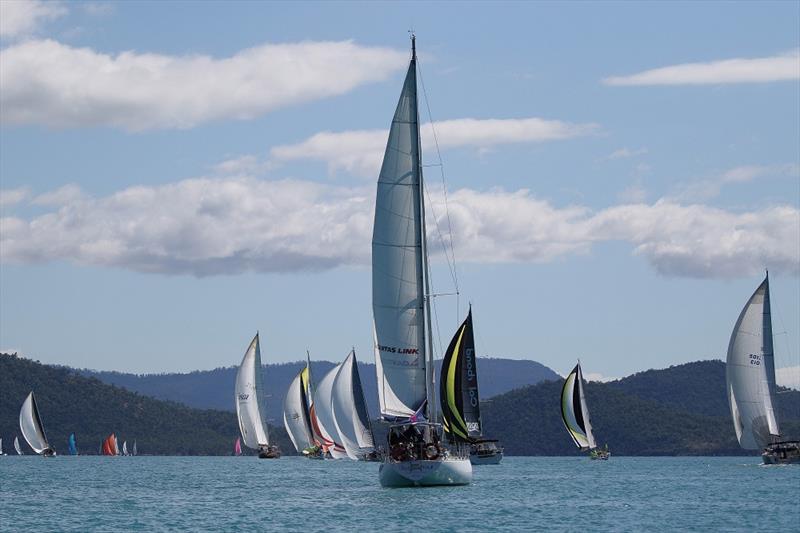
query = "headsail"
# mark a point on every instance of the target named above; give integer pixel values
(461, 415)
(125, 448)
(350, 411)
(30, 423)
(398, 298)
(73, 447)
(325, 421)
(249, 403)
(574, 411)
(750, 373)
(296, 412)
(16, 446)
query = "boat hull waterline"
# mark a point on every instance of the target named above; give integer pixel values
(424, 473)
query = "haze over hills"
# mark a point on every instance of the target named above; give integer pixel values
(213, 389)
(69, 403)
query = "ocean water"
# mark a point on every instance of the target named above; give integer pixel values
(521, 494)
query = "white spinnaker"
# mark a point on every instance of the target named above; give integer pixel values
(349, 411)
(294, 415)
(16, 446)
(397, 263)
(750, 373)
(31, 425)
(324, 411)
(249, 407)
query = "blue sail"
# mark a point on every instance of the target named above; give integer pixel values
(73, 449)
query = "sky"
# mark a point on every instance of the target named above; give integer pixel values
(615, 177)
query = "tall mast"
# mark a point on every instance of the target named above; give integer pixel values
(424, 271)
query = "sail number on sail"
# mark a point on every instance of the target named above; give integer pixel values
(755, 359)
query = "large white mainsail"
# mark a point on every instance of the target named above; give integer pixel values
(249, 405)
(750, 373)
(574, 411)
(324, 411)
(350, 411)
(296, 412)
(397, 265)
(30, 423)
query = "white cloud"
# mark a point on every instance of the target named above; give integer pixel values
(626, 153)
(739, 70)
(710, 188)
(13, 196)
(788, 377)
(67, 194)
(361, 151)
(49, 83)
(210, 226)
(19, 18)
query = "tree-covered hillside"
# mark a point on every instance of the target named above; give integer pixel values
(92, 410)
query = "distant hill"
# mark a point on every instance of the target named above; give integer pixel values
(681, 410)
(213, 389)
(69, 402)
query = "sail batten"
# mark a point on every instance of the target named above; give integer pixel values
(249, 398)
(750, 373)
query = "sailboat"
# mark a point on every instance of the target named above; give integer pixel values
(350, 415)
(73, 447)
(110, 445)
(30, 423)
(750, 377)
(135, 451)
(297, 413)
(125, 448)
(1, 447)
(250, 403)
(575, 415)
(237, 447)
(401, 311)
(16, 446)
(458, 393)
(323, 409)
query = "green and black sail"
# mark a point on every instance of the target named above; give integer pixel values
(458, 386)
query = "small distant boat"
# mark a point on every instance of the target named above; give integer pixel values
(575, 415)
(125, 448)
(237, 447)
(401, 310)
(109, 446)
(250, 404)
(323, 409)
(30, 423)
(16, 446)
(135, 451)
(1, 448)
(350, 415)
(73, 447)
(750, 377)
(458, 393)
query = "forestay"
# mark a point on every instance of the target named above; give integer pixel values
(397, 265)
(574, 411)
(249, 405)
(750, 373)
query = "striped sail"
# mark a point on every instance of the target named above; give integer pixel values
(350, 411)
(750, 373)
(296, 413)
(574, 411)
(249, 402)
(30, 423)
(397, 265)
(323, 397)
(461, 416)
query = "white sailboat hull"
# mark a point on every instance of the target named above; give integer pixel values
(493, 459)
(419, 473)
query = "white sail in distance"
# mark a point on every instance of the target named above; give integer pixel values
(16, 446)
(750, 373)
(324, 411)
(30, 423)
(296, 412)
(574, 411)
(350, 411)
(125, 448)
(249, 405)
(398, 298)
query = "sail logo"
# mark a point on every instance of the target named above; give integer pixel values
(392, 349)
(473, 396)
(755, 359)
(473, 426)
(469, 357)
(243, 397)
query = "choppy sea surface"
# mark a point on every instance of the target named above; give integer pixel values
(521, 494)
